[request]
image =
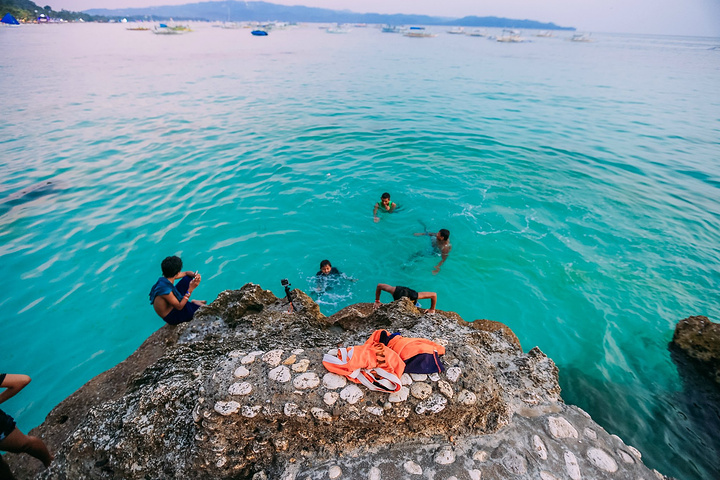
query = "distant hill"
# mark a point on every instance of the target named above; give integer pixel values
(236, 11)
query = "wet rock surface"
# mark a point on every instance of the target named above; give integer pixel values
(241, 392)
(699, 339)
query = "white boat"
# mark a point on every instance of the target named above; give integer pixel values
(545, 34)
(581, 37)
(418, 32)
(392, 29)
(510, 36)
(456, 31)
(163, 29)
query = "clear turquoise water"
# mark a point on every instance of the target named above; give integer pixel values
(580, 183)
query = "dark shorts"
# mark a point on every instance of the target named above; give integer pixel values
(176, 317)
(405, 292)
(7, 425)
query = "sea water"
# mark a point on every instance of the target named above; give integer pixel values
(579, 181)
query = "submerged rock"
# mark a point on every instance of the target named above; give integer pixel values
(195, 405)
(699, 338)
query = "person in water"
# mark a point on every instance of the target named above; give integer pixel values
(399, 292)
(441, 244)
(385, 204)
(327, 272)
(326, 269)
(172, 302)
(11, 438)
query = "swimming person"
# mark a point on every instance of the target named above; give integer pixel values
(441, 244)
(328, 272)
(385, 204)
(399, 292)
(172, 302)
(326, 268)
(11, 439)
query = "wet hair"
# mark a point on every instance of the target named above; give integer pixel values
(171, 266)
(444, 233)
(385, 195)
(325, 262)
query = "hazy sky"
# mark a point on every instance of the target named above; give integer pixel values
(674, 17)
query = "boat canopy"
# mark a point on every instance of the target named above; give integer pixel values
(9, 20)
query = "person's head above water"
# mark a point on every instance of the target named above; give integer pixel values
(325, 266)
(385, 198)
(171, 266)
(444, 234)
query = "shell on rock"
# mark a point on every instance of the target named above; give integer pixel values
(298, 351)
(445, 456)
(399, 396)
(480, 456)
(405, 379)
(320, 414)
(474, 474)
(239, 388)
(241, 372)
(375, 410)
(602, 460)
(571, 465)
(453, 373)
(434, 404)
(539, 447)
(273, 357)
(330, 398)
(226, 408)
(626, 457)
(248, 359)
(306, 381)
(420, 390)
(466, 397)
(351, 394)
(334, 472)
(236, 354)
(445, 388)
(418, 377)
(293, 410)
(561, 428)
(434, 377)
(412, 468)
(590, 433)
(280, 374)
(301, 366)
(290, 360)
(331, 381)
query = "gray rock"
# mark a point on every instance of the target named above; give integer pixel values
(168, 411)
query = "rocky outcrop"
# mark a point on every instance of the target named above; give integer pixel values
(699, 338)
(241, 393)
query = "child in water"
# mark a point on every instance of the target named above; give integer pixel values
(386, 204)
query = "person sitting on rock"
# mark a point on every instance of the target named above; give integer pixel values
(11, 438)
(172, 302)
(399, 292)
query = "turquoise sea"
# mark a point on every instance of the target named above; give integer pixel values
(579, 181)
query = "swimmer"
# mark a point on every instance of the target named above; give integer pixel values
(399, 292)
(441, 243)
(384, 204)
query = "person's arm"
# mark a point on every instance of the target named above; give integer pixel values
(190, 274)
(444, 255)
(433, 299)
(393, 206)
(375, 217)
(179, 305)
(424, 234)
(379, 289)
(13, 383)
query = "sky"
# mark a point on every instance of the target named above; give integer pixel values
(670, 17)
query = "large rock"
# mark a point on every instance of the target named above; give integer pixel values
(241, 392)
(699, 338)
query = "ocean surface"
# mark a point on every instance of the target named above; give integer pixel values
(580, 183)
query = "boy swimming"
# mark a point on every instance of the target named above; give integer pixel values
(385, 204)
